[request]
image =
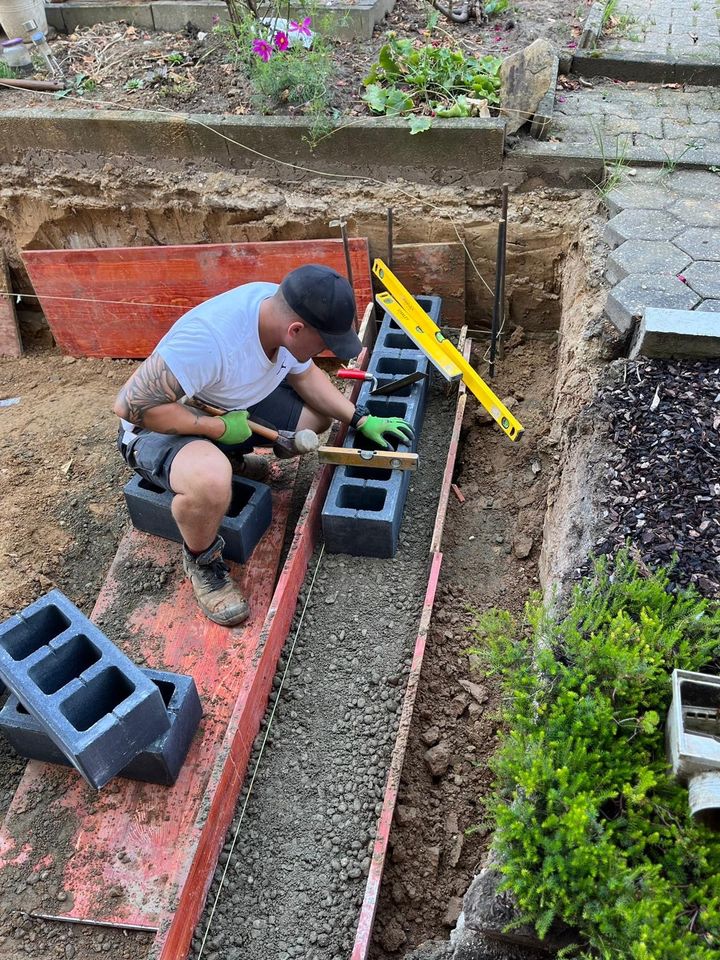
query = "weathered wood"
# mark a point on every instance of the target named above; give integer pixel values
(119, 302)
(10, 340)
(434, 268)
(374, 459)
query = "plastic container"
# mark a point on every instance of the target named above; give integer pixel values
(14, 13)
(16, 56)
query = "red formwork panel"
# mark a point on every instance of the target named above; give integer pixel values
(134, 847)
(119, 301)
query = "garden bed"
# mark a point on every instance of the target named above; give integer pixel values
(123, 65)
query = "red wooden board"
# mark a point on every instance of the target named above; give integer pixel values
(119, 302)
(126, 854)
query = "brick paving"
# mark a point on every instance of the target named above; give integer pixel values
(667, 27)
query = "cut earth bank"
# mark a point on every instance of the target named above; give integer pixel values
(66, 513)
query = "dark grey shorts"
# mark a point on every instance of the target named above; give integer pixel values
(151, 454)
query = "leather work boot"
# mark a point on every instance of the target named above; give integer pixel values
(218, 597)
(251, 466)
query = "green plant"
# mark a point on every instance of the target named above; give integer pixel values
(671, 161)
(6, 71)
(134, 84)
(430, 81)
(297, 77)
(175, 58)
(609, 11)
(614, 165)
(494, 8)
(590, 827)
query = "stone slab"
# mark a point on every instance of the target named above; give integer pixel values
(592, 28)
(696, 183)
(704, 277)
(697, 211)
(677, 333)
(702, 243)
(646, 66)
(646, 256)
(527, 77)
(87, 14)
(627, 301)
(638, 196)
(641, 225)
(709, 306)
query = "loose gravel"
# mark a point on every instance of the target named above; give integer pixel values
(297, 873)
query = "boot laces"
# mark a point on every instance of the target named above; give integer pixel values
(215, 574)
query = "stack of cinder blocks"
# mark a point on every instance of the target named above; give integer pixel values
(77, 699)
(364, 506)
(247, 519)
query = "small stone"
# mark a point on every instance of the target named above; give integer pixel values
(405, 815)
(477, 691)
(66, 361)
(522, 547)
(393, 936)
(438, 759)
(430, 736)
(454, 909)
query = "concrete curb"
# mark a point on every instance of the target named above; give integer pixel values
(451, 150)
(592, 28)
(646, 68)
(344, 22)
(584, 158)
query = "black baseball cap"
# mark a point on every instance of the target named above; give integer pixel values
(324, 299)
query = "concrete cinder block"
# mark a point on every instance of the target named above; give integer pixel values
(248, 518)
(97, 707)
(160, 762)
(364, 507)
(687, 334)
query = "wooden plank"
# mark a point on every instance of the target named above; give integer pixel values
(166, 834)
(10, 340)
(374, 459)
(119, 302)
(434, 268)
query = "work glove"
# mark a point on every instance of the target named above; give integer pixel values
(236, 427)
(375, 429)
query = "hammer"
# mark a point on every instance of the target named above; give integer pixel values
(285, 443)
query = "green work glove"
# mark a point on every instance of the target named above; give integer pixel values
(375, 428)
(236, 427)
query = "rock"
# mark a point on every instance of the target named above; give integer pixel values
(456, 852)
(527, 77)
(458, 705)
(522, 546)
(433, 860)
(516, 338)
(451, 824)
(454, 909)
(476, 691)
(430, 736)
(405, 814)
(438, 759)
(393, 936)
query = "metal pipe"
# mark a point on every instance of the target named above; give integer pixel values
(498, 317)
(390, 237)
(33, 84)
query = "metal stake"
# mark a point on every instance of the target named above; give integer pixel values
(346, 247)
(390, 237)
(498, 317)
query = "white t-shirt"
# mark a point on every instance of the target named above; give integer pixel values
(214, 350)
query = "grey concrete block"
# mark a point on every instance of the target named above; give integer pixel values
(697, 211)
(97, 706)
(704, 277)
(709, 306)
(696, 183)
(638, 196)
(702, 243)
(173, 15)
(638, 65)
(677, 333)
(86, 14)
(592, 28)
(627, 301)
(160, 762)
(248, 516)
(641, 225)
(645, 256)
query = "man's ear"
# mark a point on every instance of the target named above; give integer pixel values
(295, 328)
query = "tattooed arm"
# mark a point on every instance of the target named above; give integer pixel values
(150, 399)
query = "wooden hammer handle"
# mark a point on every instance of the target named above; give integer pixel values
(258, 428)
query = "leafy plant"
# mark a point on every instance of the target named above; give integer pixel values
(134, 84)
(590, 827)
(175, 58)
(495, 7)
(430, 80)
(6, 71)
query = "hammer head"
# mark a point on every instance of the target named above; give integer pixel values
(294, 444)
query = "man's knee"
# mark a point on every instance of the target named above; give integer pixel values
(202, 473)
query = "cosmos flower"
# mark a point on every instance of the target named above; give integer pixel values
(302, 28)
(282, 41)
(262, 48)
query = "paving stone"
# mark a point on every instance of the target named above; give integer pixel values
(697, 211)
(638, 196)
(635, 293)
(709, 306)
(645, 256)
(702, 243)
(690, 132)
(677, 333)
(641, 225)
(698, 183)
(704, 277)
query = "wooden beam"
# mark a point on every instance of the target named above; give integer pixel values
(10, 340)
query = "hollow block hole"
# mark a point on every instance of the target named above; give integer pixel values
(97, 698)
(167, 690)
(399, 341)
(396, 366)
(240, 499)
(367, 473)
(362, 498)
(34, 632)
(65, 664)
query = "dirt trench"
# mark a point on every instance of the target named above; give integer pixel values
(63, 483)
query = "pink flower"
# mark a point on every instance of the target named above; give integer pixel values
(682, 278)
(262, 48)
(302, 28)
(572, 44)
(215, 19)
(561, 99)
(281, 40)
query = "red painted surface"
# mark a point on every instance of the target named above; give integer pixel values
(119, 302)
(165, 835)
(363, 936)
